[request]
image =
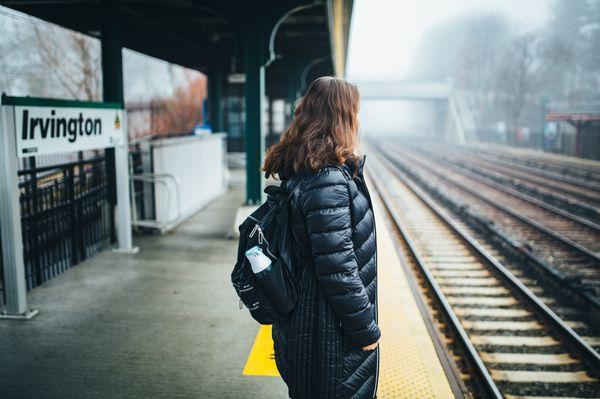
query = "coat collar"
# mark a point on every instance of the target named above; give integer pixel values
(350, 166)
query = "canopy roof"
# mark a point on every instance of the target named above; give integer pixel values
(196, 33)
(573, 116)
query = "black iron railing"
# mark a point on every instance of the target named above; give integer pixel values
(2, 293)
(136, 164)
(65, 217)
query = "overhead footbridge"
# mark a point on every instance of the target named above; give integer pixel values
(454, 117)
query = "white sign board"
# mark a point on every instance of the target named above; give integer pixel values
(37, 126)
(48, 130)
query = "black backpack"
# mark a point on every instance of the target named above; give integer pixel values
(269, 295)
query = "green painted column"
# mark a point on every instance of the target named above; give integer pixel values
(270, 131)
(112, 83)
(293, 67)
(215, 96)
(112, 45)
(293, 89)
(254, 91)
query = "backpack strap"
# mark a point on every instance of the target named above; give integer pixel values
(293, 190)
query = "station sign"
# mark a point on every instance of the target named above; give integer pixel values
(49, 129)
(36, 126)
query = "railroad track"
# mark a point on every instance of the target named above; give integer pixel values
(578, 168)
(583, 190)
(577, 200)
(574, 221)
(569, 246)
(512, 343)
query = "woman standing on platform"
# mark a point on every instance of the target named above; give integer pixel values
(328, 347)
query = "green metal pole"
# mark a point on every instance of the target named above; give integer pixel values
(270, 131)
(215, 95)
(294, 83)
(112, 44)
(112, 85)
(254, 90)
(293, 96)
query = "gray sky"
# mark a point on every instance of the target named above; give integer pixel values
(385, 33)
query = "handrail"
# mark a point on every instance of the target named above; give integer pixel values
(164, 180)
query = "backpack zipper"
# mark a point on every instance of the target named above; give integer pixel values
(261, 236)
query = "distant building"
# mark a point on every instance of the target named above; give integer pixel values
(574, 132)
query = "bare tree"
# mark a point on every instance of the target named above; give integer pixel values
(12, 66)
(466, 50)
(183, 110)
(88, 58)
(73, 60)
(572, 42)
(484, 35)
(518, 78)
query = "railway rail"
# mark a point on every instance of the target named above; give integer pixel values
(585, 189)
(567, 245)
(576, 169)
(579, 231)
(578, 201)
(511, 342)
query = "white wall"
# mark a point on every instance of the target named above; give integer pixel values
(198, 164)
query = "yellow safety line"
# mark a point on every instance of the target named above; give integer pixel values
(261, 360)
(409, 367)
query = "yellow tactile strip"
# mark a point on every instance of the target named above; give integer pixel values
(261, 360)
(409, 366)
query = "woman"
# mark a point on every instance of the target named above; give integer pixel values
(327, 348)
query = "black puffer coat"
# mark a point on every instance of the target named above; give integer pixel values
(318, 349)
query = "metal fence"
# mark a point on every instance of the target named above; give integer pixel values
(138, 192)
(2, 292)
(65, 216)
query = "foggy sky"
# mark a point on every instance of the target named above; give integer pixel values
(385, 33)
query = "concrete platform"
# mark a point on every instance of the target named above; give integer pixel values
(163, 323)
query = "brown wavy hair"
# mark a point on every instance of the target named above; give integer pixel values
(324, 130)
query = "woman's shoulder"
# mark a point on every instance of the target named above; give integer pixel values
(310, 181)
(317, 188)
(327, 175)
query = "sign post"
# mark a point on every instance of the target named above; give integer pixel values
(35, 126)
(10, 221)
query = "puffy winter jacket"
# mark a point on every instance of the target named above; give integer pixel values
(318, 350)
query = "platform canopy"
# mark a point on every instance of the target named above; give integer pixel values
(279, 45)
(199, 33)
(573, 116)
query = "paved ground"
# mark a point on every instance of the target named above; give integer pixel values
(164, 323)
